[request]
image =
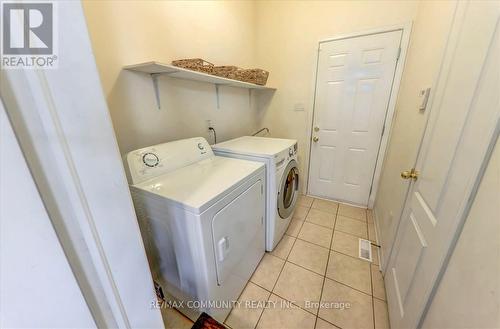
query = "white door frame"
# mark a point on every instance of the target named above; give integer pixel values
(398, 73)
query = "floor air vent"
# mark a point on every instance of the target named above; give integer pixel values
(365, 250)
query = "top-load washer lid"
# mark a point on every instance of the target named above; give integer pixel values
(191, 176)
(255, 146)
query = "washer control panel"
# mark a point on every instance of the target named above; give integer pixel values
(292, 150)
(153, 161)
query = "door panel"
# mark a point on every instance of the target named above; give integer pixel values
(461, 130)
(363, 106)
(353, 87)
(410, 252)
(327, 154)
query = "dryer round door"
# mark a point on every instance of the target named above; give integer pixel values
(289, 190)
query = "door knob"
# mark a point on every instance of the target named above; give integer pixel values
(410, 174)
(315, 139)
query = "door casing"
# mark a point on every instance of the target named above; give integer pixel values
(405, 40)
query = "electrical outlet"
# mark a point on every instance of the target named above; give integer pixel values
(209, 123)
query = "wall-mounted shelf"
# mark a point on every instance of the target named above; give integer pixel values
(156, 68)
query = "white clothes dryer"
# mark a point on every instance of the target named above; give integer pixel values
(282, 190)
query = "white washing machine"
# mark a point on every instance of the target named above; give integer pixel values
(280, 157)
(202, 221)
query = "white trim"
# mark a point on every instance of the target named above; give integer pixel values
(381, 263)
(398, 73)
(377, 30)
(310, 120)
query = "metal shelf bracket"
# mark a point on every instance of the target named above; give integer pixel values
(217, 95)
(154, 78)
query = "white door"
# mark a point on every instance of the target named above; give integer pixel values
(462, 129)
(63, 125)
(353, 88)
(37, 288)
(421, 70)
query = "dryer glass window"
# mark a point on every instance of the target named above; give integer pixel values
(288, 190)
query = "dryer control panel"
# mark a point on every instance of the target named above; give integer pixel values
(281, 159)
(153, 161)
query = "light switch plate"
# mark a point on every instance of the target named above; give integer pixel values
(299, 107)
(424, 98)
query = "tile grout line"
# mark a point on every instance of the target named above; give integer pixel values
(305, 268)
(357, 236)
(312, 271)
(293, 303)
(327, 262)
(322, 275)
(357, 219)
(318, 245)
(281, 270)
(330, 250)
(357, 258)
(328, 227)
(373, 302)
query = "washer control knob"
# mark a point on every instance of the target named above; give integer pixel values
(150, 159)
(290, 151)
(201, 146)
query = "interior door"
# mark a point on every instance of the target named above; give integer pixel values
(353, 88)
(33, 264)
(462, 129)
(421, 70)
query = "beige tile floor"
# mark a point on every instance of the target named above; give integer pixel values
(313, 278)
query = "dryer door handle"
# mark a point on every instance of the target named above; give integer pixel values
(222, 248)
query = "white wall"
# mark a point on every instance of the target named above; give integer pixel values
(469, 293)
(280, 36)
(130, 32)
(287, 41)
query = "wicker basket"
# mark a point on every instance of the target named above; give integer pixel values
(195, 64)
(227, 71)
(257, 76)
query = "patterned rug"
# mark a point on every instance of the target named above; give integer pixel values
(205, 321)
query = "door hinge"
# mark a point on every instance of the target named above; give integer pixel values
(399, 54)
